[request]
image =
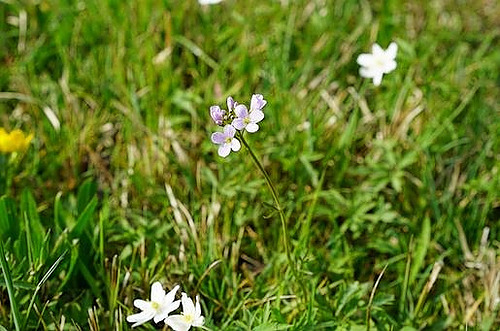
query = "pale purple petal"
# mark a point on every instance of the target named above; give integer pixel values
(235, 146)
(252, 127)
(256, 116)
(229, 130)
(217, 114)
(224, 150)
(241, 111)
(238, 123)
(365, 60)
(218, 137)
(257, 102)
(230, 103)
(177, 323)
(392, 50)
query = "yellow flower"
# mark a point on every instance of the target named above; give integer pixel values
(16, 141)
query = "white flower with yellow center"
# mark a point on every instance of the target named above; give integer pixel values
(190, 316)
(158, 308)
(209, 2)
(378, 63)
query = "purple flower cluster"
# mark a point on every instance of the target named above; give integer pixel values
(237, 117)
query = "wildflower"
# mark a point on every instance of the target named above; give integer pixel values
(15, 141)
(378, 63)
(158, 308)
(217, 114)
(191, 315)
(247, 120)
(208, 2)
(257, 102)
(226, 140)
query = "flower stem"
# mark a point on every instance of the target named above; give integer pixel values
(3, 174)
(277, 204)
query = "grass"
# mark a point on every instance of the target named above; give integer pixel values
(390, 193)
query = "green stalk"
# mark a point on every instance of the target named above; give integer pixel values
(277, 206)
(3, 174)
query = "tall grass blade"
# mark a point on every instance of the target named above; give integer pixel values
(39, 286)
(10, 288)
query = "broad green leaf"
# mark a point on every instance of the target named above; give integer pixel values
(9, 224)
(30, 214)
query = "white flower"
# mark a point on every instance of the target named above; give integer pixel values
(158, 308)
(378, 63)
(208, 2)
(191, 315)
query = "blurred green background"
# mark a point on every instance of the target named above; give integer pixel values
(122, 187)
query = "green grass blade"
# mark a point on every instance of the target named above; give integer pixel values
(39, 286)
(422, 246)
(10, 288)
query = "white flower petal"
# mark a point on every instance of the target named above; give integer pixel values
(256, 116)
(177, 323)
(235, 146)
(389, 66)
(157, 292)
(142, 304)
(199, 321)
(366, 72)
(167, 309)
(377, 50)
(252, 127)
(377, 79)
(392, 50)
(365, 60)
(170, 297)
(197, 310)
(224, 150)
(140, 318)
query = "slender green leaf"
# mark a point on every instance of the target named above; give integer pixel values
(10, 288)
(422, 245)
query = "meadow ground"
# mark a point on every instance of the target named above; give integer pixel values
(390, 194)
